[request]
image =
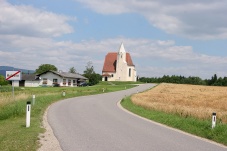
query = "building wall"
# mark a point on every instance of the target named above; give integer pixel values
(112, 76)
(15, 83)
(32, 83)
(61, 81)
(122, 70)
(132, 76)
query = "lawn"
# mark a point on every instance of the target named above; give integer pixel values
(13, 132)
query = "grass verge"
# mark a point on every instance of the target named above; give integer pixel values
(191, 125)
(14, 136)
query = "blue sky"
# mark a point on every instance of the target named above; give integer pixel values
(164, 37)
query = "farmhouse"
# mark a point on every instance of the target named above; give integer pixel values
(50, 78)
(118, 66)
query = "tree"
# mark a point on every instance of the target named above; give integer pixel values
(3, 81)
(91, 75)
(45, 67)
(72, 70)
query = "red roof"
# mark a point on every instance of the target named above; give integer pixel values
(111, 60)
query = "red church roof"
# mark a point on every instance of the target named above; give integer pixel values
(111, 60)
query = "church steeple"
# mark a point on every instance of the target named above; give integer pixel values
(122, 48)
(121, 54)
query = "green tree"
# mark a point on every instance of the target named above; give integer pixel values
(45, 67)
(72, 70)
(3, 81)
(91, 75)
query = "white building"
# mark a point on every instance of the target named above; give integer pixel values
(50, 78)
(118, 66)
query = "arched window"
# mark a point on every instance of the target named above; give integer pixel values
(129, 72)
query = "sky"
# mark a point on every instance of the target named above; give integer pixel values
(163, 37)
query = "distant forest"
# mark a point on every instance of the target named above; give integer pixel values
(214, 81)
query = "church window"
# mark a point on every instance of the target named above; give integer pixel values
(129, 72)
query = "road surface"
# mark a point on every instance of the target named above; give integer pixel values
(96, 123)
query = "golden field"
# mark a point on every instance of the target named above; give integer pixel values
(186, 100)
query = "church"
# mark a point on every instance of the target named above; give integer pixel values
(118, 66)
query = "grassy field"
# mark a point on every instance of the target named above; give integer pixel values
(14, 136)
(185, 107)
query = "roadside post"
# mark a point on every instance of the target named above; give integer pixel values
(63, 93)
(28, 114)
(33, 99)
(213, 120)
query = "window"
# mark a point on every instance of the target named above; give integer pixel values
(112, 75)
(55, 81)
(64, 81)
(129, 72)
(74, 82)
(44, 80)
(69, 82)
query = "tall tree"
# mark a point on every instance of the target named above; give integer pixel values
(89, 69)
(45, 67)
(72, 70)
(90, 74)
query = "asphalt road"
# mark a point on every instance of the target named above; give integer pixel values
(96, 123)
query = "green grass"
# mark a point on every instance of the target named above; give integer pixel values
(118, 83)
(191, 125)
(14, 136)
(8, 89)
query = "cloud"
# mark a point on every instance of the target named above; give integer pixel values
(195, 19)
(28, 21)
(151, 57)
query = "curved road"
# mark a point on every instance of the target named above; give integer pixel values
(96, 123)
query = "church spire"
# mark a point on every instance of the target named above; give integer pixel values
(122, 49)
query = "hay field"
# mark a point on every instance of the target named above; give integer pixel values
(186, 100)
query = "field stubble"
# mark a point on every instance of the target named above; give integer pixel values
(186, 100)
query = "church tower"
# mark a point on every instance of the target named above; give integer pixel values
(121, 64)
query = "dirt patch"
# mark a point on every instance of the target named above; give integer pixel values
(47, 140)
(186, 100)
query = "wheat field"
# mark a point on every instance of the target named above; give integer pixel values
(186, 100)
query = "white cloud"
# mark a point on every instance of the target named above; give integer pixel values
(28, 21)
(196, 19)
(151, 57)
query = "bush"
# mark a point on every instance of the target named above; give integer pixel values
(3, 81)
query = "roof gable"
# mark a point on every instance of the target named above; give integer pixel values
(111, 60)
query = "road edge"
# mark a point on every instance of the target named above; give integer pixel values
(47, 140)
(171, 128)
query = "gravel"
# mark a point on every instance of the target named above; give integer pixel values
(47, 140)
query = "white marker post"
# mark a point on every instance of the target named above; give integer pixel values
(63, 93)
(213, 120)
(33, 99)
(28, 114)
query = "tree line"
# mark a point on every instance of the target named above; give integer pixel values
(214, 81)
